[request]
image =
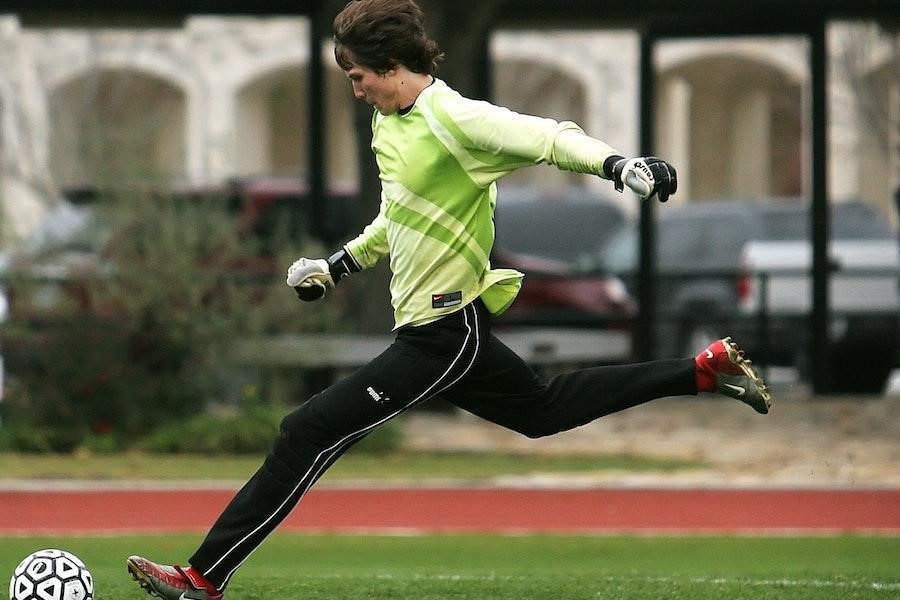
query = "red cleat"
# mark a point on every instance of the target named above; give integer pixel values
(722, 368)
(171, 582)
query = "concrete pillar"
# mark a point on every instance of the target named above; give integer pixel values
(26, 187)
(253, 132)
(843, 134)
(196, 139)
(674, 131)
(894, 141)
(750, 170)
(220, 116)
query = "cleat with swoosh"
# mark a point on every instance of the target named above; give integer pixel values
(170, 582)
(723, 368)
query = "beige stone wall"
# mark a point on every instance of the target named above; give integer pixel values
(222, 97)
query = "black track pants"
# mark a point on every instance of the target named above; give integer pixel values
(456, 358)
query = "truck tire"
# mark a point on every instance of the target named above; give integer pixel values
(861, 371)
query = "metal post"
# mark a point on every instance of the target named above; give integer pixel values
(764, 335)
(645, 332)
(316, 140)
(820, 350)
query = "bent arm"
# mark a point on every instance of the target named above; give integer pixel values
(371, 245)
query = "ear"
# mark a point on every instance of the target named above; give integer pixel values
(393, 67)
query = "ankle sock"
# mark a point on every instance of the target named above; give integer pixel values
(706, 381)
(198, 580)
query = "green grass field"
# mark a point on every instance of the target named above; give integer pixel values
(480, 567)
(466, 466)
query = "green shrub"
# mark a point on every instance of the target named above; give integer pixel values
(246, 432)
(144, 338)
(102, 443)
(384, 440)
(250, 432)
(39, 440)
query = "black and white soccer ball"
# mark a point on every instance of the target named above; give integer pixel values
(51, 575)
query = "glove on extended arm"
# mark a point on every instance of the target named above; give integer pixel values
(646, 176)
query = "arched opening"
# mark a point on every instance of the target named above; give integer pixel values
(879, 169)
(117, 127)
(734, 126)
(272, 126)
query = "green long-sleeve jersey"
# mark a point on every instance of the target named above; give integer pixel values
(438, 165)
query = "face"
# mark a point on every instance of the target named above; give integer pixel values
(378, 90)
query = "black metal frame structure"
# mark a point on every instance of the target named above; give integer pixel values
(654, 20)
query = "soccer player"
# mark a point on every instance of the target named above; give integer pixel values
(439, 155)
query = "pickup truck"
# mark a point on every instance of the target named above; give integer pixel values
(716, 256)
(864, 298)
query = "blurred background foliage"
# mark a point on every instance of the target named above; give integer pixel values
(122, 335)
(133, 331)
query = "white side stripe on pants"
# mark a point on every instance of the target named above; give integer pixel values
(325, 456)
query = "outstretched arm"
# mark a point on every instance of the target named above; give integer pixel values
(646, 176)
(492, 141)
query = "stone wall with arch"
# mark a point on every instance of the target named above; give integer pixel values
(26, 187)
(545, 91)
(272, 129)
(732, 115)
(879, 156)
(786, 54)
(117, 126)
(224, 76)
(582, 76)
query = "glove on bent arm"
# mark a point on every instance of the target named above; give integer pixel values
(311, 278)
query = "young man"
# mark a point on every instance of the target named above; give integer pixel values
(439, 155)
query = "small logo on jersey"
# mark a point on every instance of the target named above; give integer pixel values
(445, 300)
(378, 397)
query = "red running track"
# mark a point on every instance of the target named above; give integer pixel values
(468, 510)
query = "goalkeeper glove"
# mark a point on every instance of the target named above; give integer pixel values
(311, 278)
(646, 176)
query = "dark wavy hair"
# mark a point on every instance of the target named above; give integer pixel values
(380, 34)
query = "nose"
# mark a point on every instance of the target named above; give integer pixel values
(358, 91)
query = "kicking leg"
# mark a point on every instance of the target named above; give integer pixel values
(503, 389)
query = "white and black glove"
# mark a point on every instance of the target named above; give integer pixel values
(645, 175)
(311, 278)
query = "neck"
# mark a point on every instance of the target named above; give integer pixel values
(410, 85)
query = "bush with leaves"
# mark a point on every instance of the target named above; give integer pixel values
(143, 336)
(248, 431)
